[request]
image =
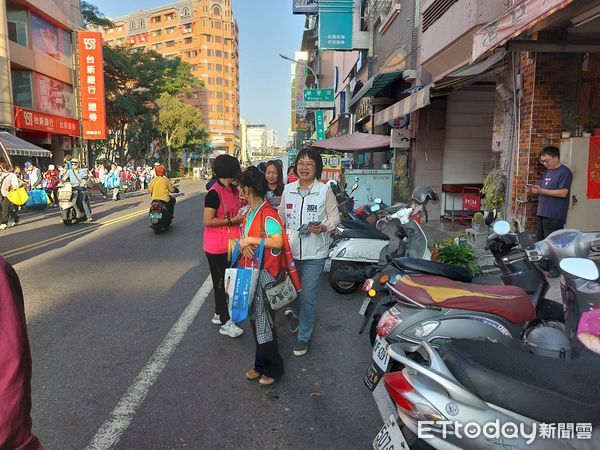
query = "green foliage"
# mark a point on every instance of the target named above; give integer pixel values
(493, 190)
(478, 218)
(463, 255)
(93, 17)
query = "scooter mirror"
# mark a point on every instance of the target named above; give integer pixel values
(502, 227)
(378, 201)
(354, 187)
(382, 224)
(375, 208)
(356, 179)
(580, 268)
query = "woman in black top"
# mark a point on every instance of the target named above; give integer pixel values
(274, 176)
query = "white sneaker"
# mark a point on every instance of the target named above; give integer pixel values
(216, 320)
(3, 226)
(230, 329)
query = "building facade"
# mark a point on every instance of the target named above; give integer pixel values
(38, 99)
(205, 34)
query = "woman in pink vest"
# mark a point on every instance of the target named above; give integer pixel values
(222, 220)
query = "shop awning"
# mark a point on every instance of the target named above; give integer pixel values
(375, 85)
(355, 142)
(405, 106)
(513, 22)
(20, 147)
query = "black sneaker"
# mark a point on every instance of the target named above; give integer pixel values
(293, 321)
(301, 348)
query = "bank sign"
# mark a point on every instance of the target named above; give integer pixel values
(319, 98)
(336, 18)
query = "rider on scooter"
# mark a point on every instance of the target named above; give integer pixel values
(77, 176)
(161, 187)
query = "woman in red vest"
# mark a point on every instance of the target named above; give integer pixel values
(262, 221)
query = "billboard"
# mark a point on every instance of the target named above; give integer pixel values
(28, 119)
(305, 6)
(91, 79)
(336, 20)
(51, 40)
(53, 96)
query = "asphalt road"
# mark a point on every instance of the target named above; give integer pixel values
(125, 356)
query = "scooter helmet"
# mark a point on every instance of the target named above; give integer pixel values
(423, 194)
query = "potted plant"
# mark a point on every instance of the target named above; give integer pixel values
(477, 222)
(493, 191)
(593, 120)
(458, 254)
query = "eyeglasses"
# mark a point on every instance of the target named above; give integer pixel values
(306, 164)
(545, 161)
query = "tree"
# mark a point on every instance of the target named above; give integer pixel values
(180, 124)
(134, 80)
(92, 17)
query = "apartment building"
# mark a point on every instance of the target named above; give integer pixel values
(38, 105)
(203, 33)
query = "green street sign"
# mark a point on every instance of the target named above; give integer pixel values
(336, 19)
(320, 125)
(319, 98)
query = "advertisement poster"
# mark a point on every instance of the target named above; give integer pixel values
(593, 185)
(332, 167)
(53, 96)
(50, 39)
(91, 79)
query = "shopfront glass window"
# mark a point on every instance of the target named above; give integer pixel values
(50, 39)
(21, 86)
(17, 25)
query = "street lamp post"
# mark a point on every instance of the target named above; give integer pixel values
(287, 58)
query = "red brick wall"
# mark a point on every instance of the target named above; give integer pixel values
(540, 125)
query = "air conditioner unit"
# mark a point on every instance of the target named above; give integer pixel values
(409, 75)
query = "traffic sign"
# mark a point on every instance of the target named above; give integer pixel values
(319, 98)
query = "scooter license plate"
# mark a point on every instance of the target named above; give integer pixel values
(364, 306)
(327, 267)
(155, 216)
(380, 354)
(390, 436)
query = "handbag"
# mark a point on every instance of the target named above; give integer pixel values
(37, 199)
(282, 292)
(18, 196)
(241, 282)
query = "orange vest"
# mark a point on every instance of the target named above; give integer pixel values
(273, 259)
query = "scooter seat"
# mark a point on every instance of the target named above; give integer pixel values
(434, 268)
(541, 388)
(365, 234)
(355, 225)
(509, 302)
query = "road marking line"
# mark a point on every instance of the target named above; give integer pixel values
(120, 418)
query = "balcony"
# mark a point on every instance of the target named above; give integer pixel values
(447, 28)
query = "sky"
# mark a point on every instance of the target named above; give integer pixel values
(267, 28)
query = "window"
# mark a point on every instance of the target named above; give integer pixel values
(217, 25)
(187, 40)
(155, 19)
(191, 54)
(156, 33)
(21, 85)
(170, 43)
(210, 66)
(142, 23)
(120, 28)
(17, 26)
(185, 12)
(218, 67)
(194, 66)
(132, 25)
(210, 52)
(219, 81)
(209, 38)
(187, 28)
(157, 46)
(218, 39)
(170, 30)
(169, 16)
(216, 11)
(218, 53)
(110, 30)
(120, 41)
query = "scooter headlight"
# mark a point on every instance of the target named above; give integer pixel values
(368, 285)
(423, 329)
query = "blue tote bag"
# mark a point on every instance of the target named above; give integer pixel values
(241, 282)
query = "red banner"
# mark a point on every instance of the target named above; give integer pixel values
(91, 76)
(593, 185)
(513, 22)
(26, 119)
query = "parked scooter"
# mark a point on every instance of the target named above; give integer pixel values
(355, 254)
(435, 309)
(70, 204)
(477, 383)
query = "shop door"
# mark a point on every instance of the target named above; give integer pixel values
(584, 202)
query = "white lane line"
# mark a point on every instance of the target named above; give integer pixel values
(120, 418)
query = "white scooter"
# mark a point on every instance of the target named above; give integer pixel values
(70, 205)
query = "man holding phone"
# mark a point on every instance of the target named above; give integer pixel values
(553, 193)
